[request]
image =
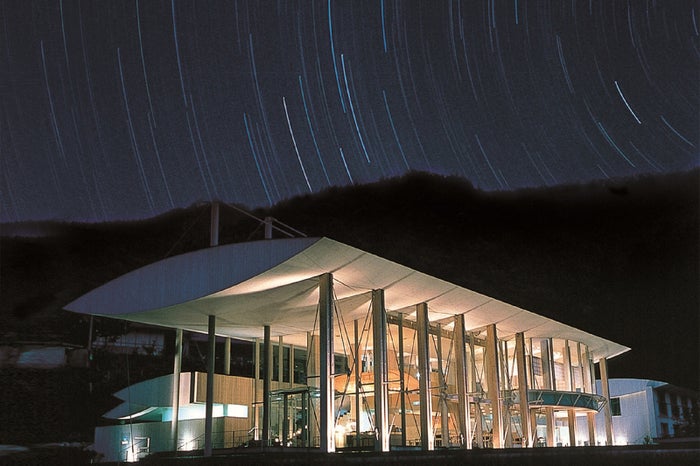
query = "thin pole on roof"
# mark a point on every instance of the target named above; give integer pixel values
(285, 230)
(214, 226)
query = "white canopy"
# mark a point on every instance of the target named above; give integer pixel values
(275, 282)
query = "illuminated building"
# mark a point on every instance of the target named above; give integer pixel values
(458, 369)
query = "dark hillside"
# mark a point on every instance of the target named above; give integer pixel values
(617, 259)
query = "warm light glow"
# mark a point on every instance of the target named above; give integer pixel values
(187, 442)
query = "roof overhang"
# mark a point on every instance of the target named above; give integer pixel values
(275, 282)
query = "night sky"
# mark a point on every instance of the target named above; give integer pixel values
(125, 109)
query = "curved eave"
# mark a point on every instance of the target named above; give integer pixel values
(187, 277)
(274, 282)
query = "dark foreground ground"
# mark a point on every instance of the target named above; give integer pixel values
(595, 456)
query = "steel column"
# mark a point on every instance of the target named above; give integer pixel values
(280, 361)
(549, 414)
(267, 380)
(461, 373)
(444, 412)
(358, 375)
(325, 320)
(177, 366)
(381, 392)
(590, 420)
(603, 364)
(209, 410)
(402, 383)
(572, 427)
(291, 366)
(227, 356)
(492, 380)
(256, 388)
(426, 428)
(522, 388)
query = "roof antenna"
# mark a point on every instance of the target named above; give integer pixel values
(268, 227)
(214, 227)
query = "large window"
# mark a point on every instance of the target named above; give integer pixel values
(541, 361)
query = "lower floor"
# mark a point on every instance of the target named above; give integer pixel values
(293, 419)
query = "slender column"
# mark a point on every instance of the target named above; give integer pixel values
(533, 422)
(306, 409)
(478, 418)
(426, 428)
(227, 356)
(444, 412)
(291, 366)
(549, 414)
(492, 380)
(313, 379)
(177, 366)
(461, 372)
(522, 389)
(214, 225)
(268, 227)
(285, 421)
(572, 427)
(358, 378)
(590, 420)
(381, 393)
(505, 381)
(209, 410)
(267, 380)
(327, 363)
(402, 383)
(256, 388)
(603, 363)
(280, 361)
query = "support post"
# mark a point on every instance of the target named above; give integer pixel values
(327, 363)
(590, 420)
(402, 383)
(381, 392)
(477, 388)
(291, 366)
(572, 427)
(268, 227)
(313, 379)
(209, 410)
(604, 383)
(444, 412)
(227, 356)
(461, 369)
(534, 414)
(280, 361)
(426, 428)
(256, 388)
(267, 378)
(177, 367)
(522, 389)
(358, 380)
(214, 227)
(549, 414)
(492, 380)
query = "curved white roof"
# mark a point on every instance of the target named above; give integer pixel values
(275, 282)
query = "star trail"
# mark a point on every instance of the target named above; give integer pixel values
(125, 109)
